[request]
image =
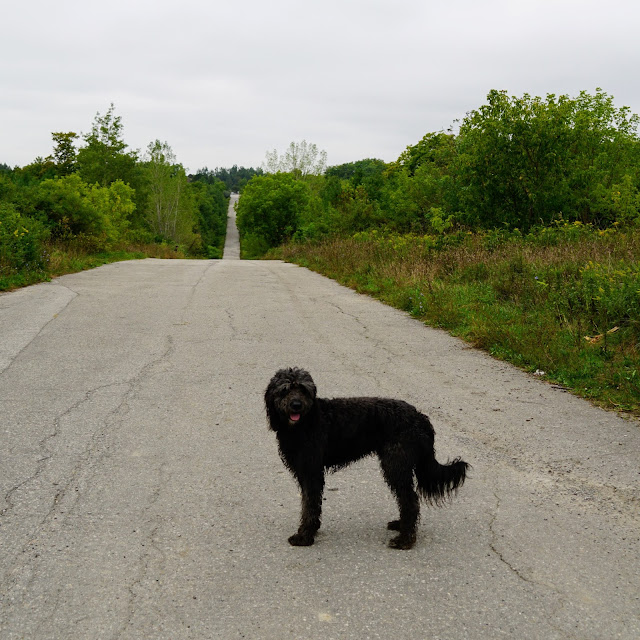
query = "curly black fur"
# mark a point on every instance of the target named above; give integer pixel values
(318, 434)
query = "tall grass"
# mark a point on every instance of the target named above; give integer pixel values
(563, 300)
(56, 258)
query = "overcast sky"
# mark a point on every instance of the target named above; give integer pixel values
(223, 82)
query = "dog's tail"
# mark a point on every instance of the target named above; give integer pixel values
(438, 482)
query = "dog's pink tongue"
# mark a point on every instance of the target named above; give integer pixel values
(295, 417)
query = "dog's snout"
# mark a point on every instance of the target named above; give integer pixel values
(295, 405)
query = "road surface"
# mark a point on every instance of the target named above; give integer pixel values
(232, 242)
(141, 494)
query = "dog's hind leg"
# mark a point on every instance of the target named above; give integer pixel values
(312, 488)
(398, 474)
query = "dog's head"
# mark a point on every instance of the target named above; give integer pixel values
(289, 397)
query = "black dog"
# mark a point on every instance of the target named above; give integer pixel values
(315, 434)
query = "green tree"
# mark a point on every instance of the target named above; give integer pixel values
(211, 206)
(104, 158)
(170, 206)
(271, 208)
(526, 161)
(436, 149)
(64, 152)
(34, 172)
(75, 208)
(420, 192)
(234, 178)
(368, 173)
(603, 148)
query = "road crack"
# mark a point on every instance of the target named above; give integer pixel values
(8, 357)
(21, 573)
(150, 550)
(493, 544)
(43, 445)
(192, 292)
(560, 599)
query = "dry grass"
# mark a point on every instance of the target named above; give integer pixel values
(531, 300)
(60, 258)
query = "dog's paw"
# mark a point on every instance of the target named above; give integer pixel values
(402, 542)
(300, 540)
(394, 525)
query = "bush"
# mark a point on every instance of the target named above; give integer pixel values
(270, 210)
(253, 246)
(21, 241)
(213, 253)
(99, 215)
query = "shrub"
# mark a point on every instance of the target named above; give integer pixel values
(253, 246)
(270, 210)
(99, 215)
(21, 241)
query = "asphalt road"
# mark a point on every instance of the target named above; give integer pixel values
(141, 494)
(232, 242)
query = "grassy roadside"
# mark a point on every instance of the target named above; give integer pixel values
(61, 258)
(564, 300)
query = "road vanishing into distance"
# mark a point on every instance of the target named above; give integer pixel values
(142, 496)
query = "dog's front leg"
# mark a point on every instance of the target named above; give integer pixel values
(312, 488)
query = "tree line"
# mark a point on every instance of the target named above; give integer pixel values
(234, 179)
(514, 163)
(97, 194)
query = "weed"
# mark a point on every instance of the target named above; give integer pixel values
(530, 299)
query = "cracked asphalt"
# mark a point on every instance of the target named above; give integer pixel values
(141, 494)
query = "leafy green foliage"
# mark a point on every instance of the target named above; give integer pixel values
(99, 214)
(234, 178)
(516, 163)
(529, 161)
(104, 158)
(21, 242)
(186, 211)
(78, 209)
(270, 210)
(211, 203)
(367, 173)
(64, 152)
(170, 211)
(31, 174)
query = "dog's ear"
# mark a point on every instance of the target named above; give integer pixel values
(270, 402)
(269, 405)
(308, 383)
